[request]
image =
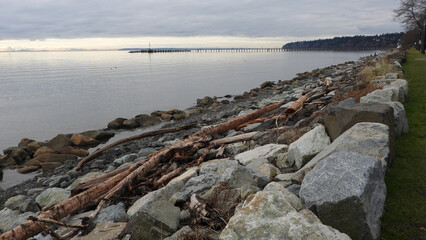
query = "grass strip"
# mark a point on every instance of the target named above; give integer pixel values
(405, 207)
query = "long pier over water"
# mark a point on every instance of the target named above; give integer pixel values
(149, 50)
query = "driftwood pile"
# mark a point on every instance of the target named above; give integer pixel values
(104, 188)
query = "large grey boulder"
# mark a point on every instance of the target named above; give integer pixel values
(159, 220)
(381, 95)
(268, 215)
(347, 192)
(307, 146)
(338, 119)
(264, 167)
(162, 194)
(260, 152)
(400, 118)
(195, 185)
(366, 138)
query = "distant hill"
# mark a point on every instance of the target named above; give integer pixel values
(388, 40)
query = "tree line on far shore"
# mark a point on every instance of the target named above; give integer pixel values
(388, 40)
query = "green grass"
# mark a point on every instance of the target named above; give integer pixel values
(405, 207)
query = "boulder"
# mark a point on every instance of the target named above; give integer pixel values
(188, 174)
(195, 185)
(365, 138)
(84, 178)
(307, 146)
(263, 166)
(58, 142)
(217, 166)
(6, 161)
(43, 150)
(20, 155)
(14, 202)
(33, 146)
(205, 102)
(146, 120)
(166, 116)
(399, 93)
(338, 119)
(268, 215)
(160, 220)
(74, 151)
(239, 176)
(130, 123)
(162, 194)
(104, 230)
(99, 135)
(82, 140)
(267, 84)
(12, 218)
(24, 142)
(347, 191)
(265, 151)
(347, 102)
(113, 213)
(116, 123)
(391, 76)
(400, 118)
(381, 95)
(52, 196)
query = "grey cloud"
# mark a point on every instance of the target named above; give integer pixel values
(31, 19)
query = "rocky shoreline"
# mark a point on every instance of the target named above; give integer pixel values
(270, 181)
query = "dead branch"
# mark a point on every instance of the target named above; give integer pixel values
(45, 220)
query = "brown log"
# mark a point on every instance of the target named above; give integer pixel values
(238, 138)
(99, 152)
(298, 104)
(117, 183)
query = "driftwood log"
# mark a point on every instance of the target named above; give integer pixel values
(117, 181)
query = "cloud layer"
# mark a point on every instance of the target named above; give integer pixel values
(43, 19)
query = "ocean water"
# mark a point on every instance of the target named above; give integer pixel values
(43, 94)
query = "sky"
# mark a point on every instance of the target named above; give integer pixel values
(113, 24)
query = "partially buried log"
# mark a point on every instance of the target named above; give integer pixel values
(116, 183)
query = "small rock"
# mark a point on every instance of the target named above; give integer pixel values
(52, 196)
(143, 152)
(166, 116)
(113, 213)
(267, 84)
(98, 134)
(347, 102)
(145, 120)
(181, 234)
(116, 123)
(84, 178)
(195, 185)
(15, 202)
(125, 159)
(46, 166)
(205, 102)
(24, 142)
(260, 152)
(130, 123)
(239, 176)
(20, 155)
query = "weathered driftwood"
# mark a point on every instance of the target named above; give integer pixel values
(297, 105)
(99, 152)
(117, 183)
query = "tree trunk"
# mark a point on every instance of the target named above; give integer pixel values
(423, 40)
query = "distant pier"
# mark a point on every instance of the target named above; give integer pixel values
(246, 50)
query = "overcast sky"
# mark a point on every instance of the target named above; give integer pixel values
(185, 23)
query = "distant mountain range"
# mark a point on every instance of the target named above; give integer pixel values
(388, 40)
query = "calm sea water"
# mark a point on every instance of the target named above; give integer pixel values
(46, 93)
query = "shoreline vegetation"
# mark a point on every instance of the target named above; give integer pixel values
(198, 178)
